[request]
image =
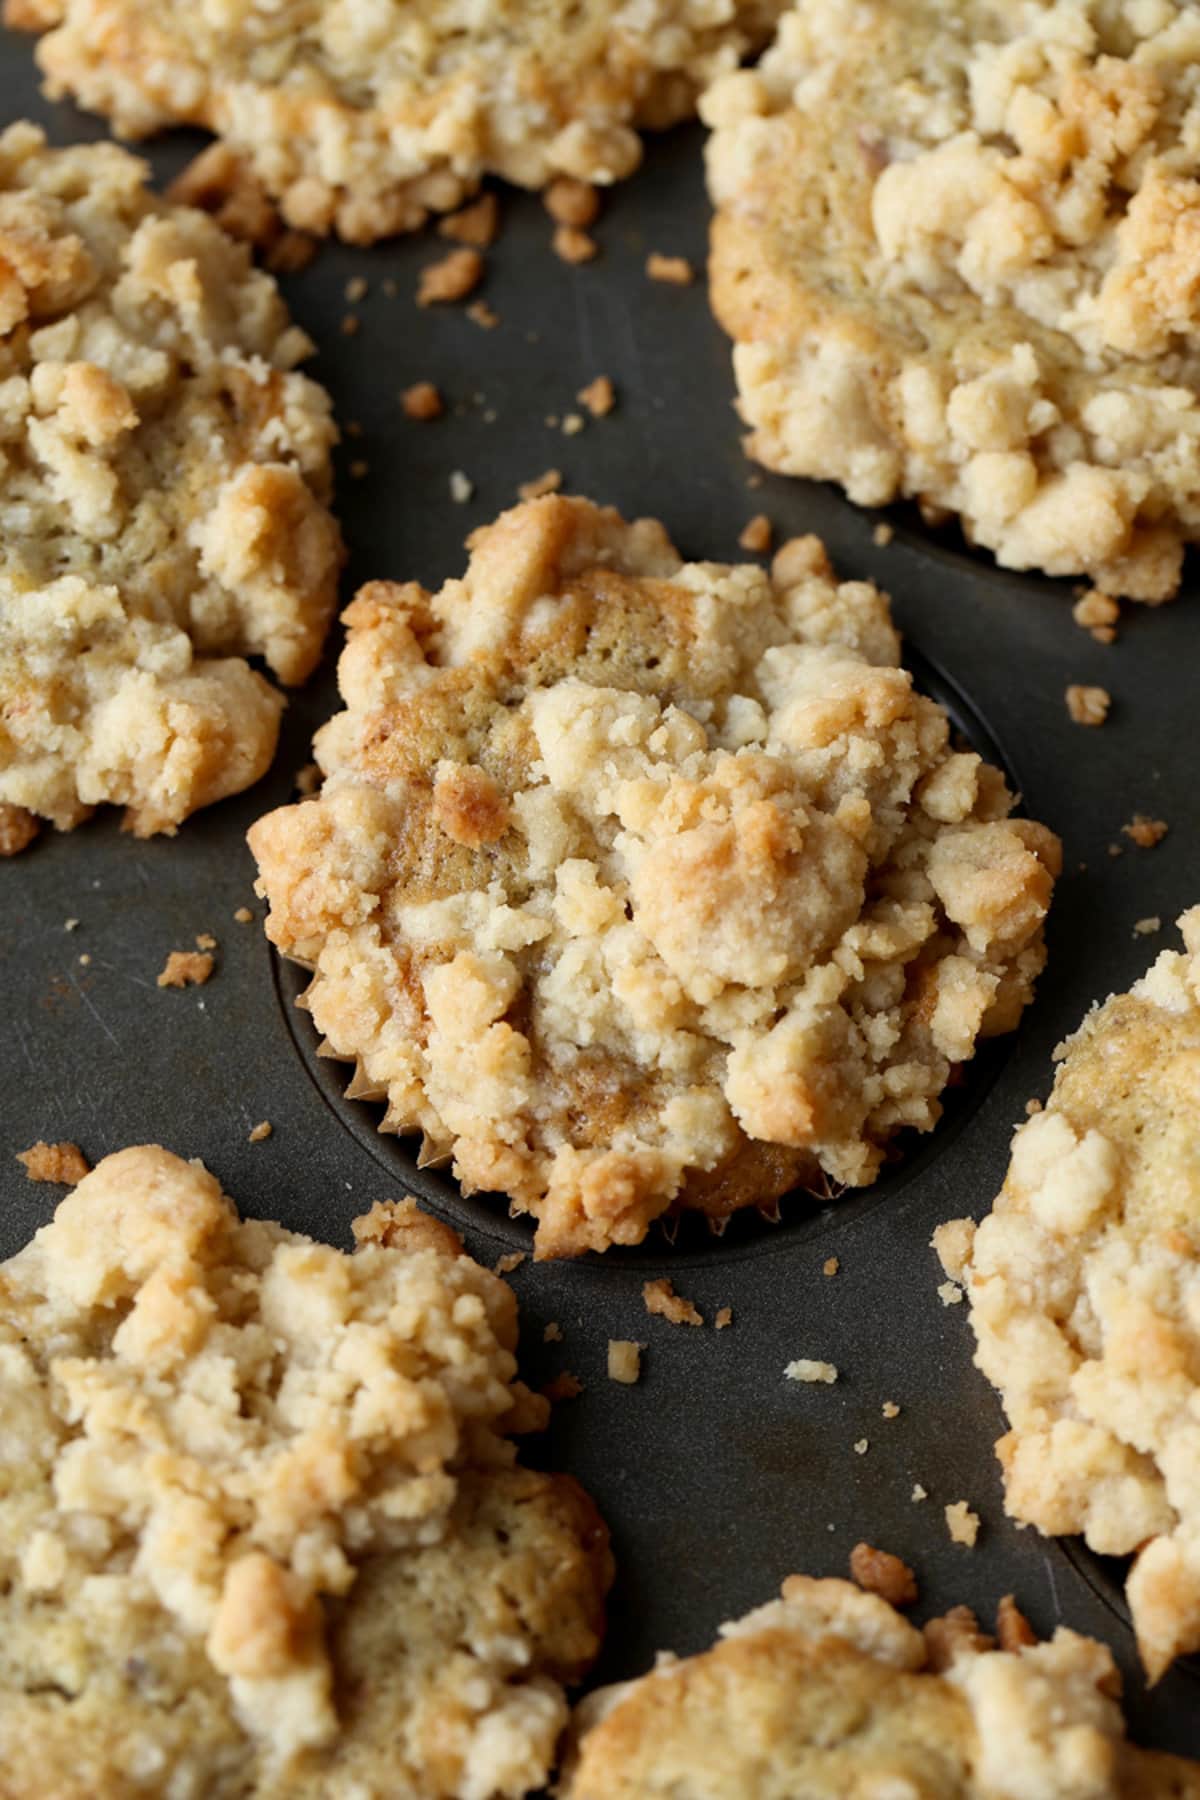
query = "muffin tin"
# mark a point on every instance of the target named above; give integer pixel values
(717, 1475)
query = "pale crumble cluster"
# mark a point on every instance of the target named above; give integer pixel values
(637, 884)
(956, 247)
(828, 1692)
(261, 1533)
(1084, 1284)
(163, 479)
(362, 118)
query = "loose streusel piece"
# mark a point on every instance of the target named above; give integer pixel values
(573, 245)
(954, 247)
(162, 497)
(1088, 705)
(624, 1361)
(186, 968)
(422, 401)
(452, 277)
(1146, 832)
(661, 1301)
(636, 885)
(962, 1524)
(879, 1572)
(676, 271)
(63, 1163)
(599, 396)
(1083, 1282)
(261, 1528)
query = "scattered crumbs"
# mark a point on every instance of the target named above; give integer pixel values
(952, 1243)
(950, 1294)
(70, 924)
(505, 1265)
(830, 1266)
(571, 245)
(1031, 1107)
(186, 968)
(307, 780)
(1098, 614)
(422, 401)
(205, 940)
(599, 396)
(624, 1360)
(754, 479)
(571, 202)
(291, 252)
(878, 1572)
(350, 324)
(862, 1446)
(756, 535)
(573, 423)
(1147, 927)
(1088, 705)
(805, 1369)
(1113, 850)
(890, 1410)
(962, 1524)
(85, 959)
(483, 315)
(243, 916)
(553, 1333)
(1146, 832)
(1012, 1627)
(356, 289)
(551, 421)
(919, 1493)
(549, 483)
(359, 470)
(661, 1301)
(64, 1163)
(564, 1386)
(724, 1317)
(676, 271)
(452, 277)
(883, 534)
(261, 1132)
(461, 487)
(475, 224)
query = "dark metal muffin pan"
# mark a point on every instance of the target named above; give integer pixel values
(717, 1476)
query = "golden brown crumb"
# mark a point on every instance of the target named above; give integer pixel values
(1146, 832)
(1012, 1627)
(504, 1265)
(573, 423)
(724, 1317)
(919, 1493)
(307, 780)
(830, 1266)
(549, 483)
(400, 1224)
(573, 245)
(261, 1132)
(890, 1410)
(350, 325)
(63, 1163)
(422, 401)
(564, 1386)
(882, 534)
(624, 1361)
(291, 252)
(476, 224)
(220, 184)
(962, 1524)
(1088, 705)
(480, 313)
(662, 1301)
(756, 535)
(205, 940)
(244, 916)
(186, 968)
(452, 277)
(571, 202)
(956, 1633)
(677, 271)
(553, 1333)
(599, 396)
(356, 289)
(878, 1572)
(18, 829)
(1093, 609)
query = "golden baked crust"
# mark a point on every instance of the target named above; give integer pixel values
(162, 496)
(636, 884)
(827, 1693)
(360, 119)
(1083, 1283)
(261, 1534)
(956, 248)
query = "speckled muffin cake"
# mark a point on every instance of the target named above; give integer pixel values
(164, 473)
(828, 1693)
(262, 1534)
(638, 885)
(956, 249)
(360, 118)
(1083, 1283)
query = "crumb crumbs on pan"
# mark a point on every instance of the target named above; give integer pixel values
(599, 396)
(1147, 927)
(571, 245)
(1145, 831)
(356, 289)
(553, 1333)
(861, 1446)
(879, 1572)
(186, 968)
(950, 1294)
(675, 271)
(205, 940)
(962, 1524)
(890, 1410)
(476, 224)
(573, 423)
(1097, 613)
(805, 1368)
(291, 252)
(547, 483)
(422, 401)
(572, 202)
(461, 487)
(504, 1265)
(564, 1386)
(243, 916)
(483, 315)
(64, 1163)
(70, 924)
(919, 1492)
(1088, 705)
(260, 1132)
(756, 534)
(831, 1265)
(85, 959)
(452, 277)
(661, 1301)
(1012, 1627)
(883, 534)
(624, 1361)
(723, 1318)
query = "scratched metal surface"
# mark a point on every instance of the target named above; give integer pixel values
(717, 1476)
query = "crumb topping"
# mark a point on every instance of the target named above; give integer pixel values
(63, 1163)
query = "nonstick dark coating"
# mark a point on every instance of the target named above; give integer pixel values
(717, 1476)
